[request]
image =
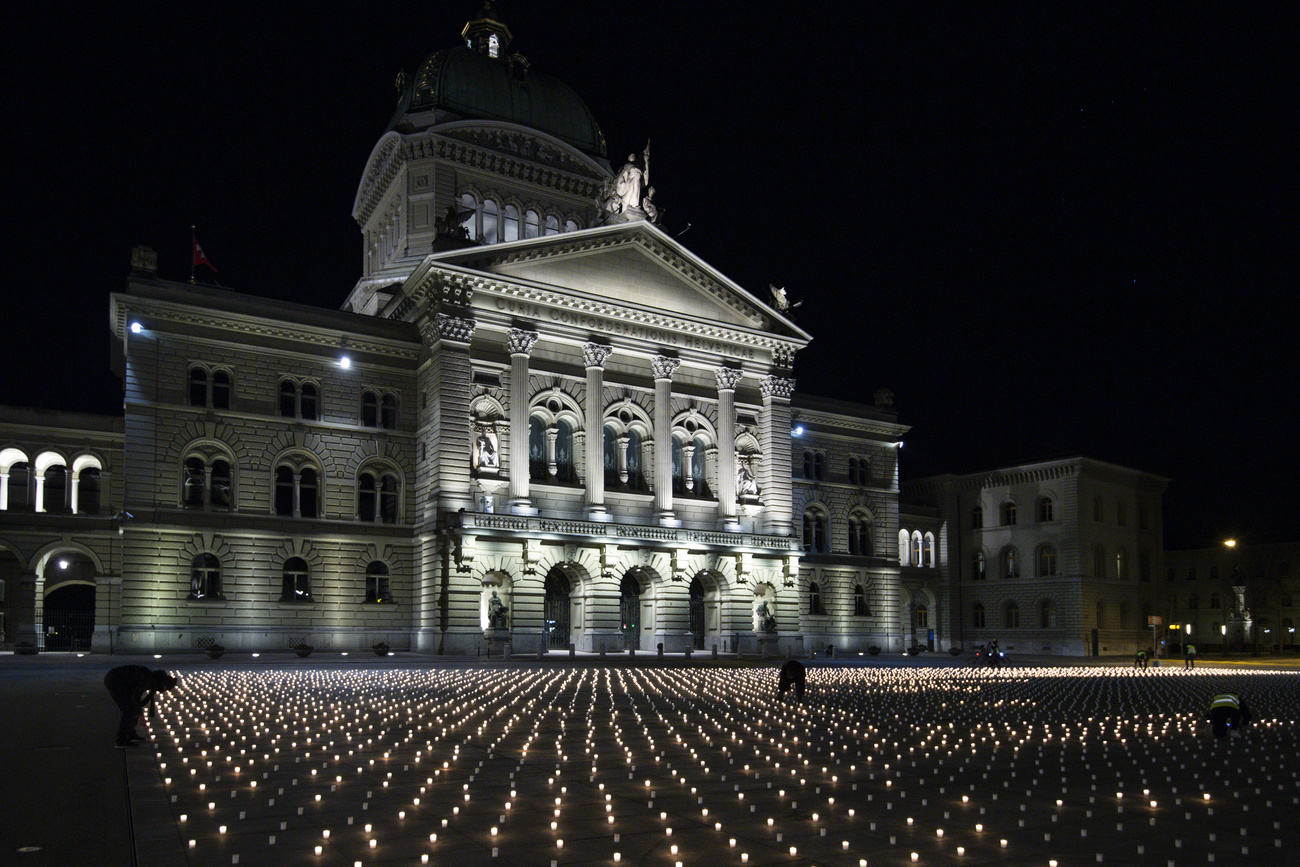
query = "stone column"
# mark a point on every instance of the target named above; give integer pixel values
(728, 378)
(663, 368)
(774, 437)
(594, 356)
(520, 344)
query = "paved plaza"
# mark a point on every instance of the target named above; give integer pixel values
(593, 762)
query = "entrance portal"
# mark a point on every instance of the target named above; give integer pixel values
(69, 617)
(697, 613)
(629, 606)
(555, 609)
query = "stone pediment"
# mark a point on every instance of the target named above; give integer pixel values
(631, 263)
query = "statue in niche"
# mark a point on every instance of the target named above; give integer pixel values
(746, 484)
(497, 612)
(486, 456)
(766, 622)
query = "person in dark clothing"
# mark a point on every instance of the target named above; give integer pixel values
(1228, 713)
(793, 675)
(133, 687)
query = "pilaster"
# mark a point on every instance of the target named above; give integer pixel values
(663, 368)
(594, 355)
(727, 378)
(520, 344)
(774, 437)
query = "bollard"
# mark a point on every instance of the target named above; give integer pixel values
(830, 651)
(715, 651)
(602, 650)
(661, 650)
(689, 651)
(541, 647)
(571, 649)
(631, 653)
(789, 651)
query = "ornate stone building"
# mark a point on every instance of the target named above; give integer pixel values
(538, 421)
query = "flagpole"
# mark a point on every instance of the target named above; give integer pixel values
(193, 236)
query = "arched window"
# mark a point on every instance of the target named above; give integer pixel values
(1010, 561)
(288, 398)
(377, 590)
(1121, 565)
(1045, 509)
(88, 491)
(219, 489)
(977, 616)
(635, 476)
(922, 616)
(552, 225)
(55, 491)
(1008, 514)
(1099, 562)
(198, 386)
(220, 389)
(1144, 566)
(1193, 602)
(295, 581)
(860, 602)
(490, 235)
(853, 470)
(612, 478)
(917, 549)
(570, 226)
(1098, 509)
(510, 224)
(532, 224)
(1102, 622)
(206, 486)
(388, 499)
(929, 550)
(819, 465)
(388, 412)
(904, 548)
(700, 467)
(1011, 616)
(369, 409)
(205, 577)
(1214, 601)
(979, 566)
(977, 518)
(861, 543)
(308, 402)
(1047, 614)
(367, 497)
(537, 470)
(814, 531)
(808, 465)
(296, 493)
(1046, 565)
(565, 471)
(814, 598)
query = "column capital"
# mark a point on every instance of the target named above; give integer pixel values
(663, 366)
(777, 386)
(519, 341)
(451, 328)
(728, 378)
(594, 354)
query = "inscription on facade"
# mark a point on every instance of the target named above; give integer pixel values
(661, 336)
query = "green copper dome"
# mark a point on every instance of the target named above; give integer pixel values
(470, 83)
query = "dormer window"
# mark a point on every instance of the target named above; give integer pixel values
(494, 46)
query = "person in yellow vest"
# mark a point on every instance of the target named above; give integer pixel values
(1229, 713)
(1189, 656)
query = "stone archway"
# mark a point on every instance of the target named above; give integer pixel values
(557, 611)
(705, 613)
(641, 580)
(67, 616)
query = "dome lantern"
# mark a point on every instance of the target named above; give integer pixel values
(487, 34)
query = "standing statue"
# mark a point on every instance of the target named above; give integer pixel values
(623, 193)
(746, 485)
(497, 612)
(766, 622)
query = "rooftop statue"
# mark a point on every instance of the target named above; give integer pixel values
(621, 197)
(780, 300)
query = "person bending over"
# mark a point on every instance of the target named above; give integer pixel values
(133, 687)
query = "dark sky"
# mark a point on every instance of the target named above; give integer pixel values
(1051, 229)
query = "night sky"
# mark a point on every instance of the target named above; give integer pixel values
(1050, 229)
